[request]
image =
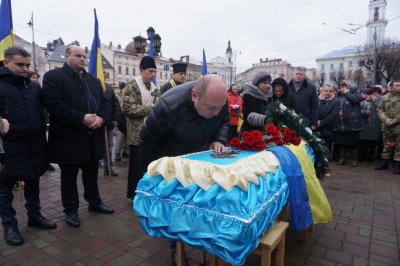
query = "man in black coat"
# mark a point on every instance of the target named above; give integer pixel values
(78, 112)
(115, 117)
(25, 145)
(305, 95)
(193, 117)
(329, 107)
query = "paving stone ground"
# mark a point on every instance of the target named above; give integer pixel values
(365, 229)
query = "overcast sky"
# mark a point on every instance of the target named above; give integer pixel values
(294, 30)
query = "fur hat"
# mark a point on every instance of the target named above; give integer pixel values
(261, 76)
(147, 62)
(179, 67)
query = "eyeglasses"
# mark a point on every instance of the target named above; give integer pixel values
(23, 65)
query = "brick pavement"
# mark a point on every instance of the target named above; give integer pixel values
(365, 228)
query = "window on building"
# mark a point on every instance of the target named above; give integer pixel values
(331, 66)
(350, 64)
(341, 65)
(166, 75)
(119, 70)
(127, 71)
(322, 66)
(350, 74)
(134, 71)
(160, 75)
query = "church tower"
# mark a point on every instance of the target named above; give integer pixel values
(229, 53)
(376, 22)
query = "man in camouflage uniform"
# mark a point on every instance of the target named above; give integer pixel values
(137, 101)
(178, 77)
(388, 112)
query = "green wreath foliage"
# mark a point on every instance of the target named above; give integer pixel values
(299, 124)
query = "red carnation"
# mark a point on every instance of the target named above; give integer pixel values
(249, 140)
(270, 128)
(296, 141)
(256, 134)
(245, 134)
(234, 142)
(287, 138)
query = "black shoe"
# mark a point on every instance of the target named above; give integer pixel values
(50, 168)
(118, 157)
(113, 173)
(73, 220)
(100, 208)
(383, 165)
(13, 237)
(125, 155)
(41, 222)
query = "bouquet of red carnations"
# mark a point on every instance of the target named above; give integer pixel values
(257, 141)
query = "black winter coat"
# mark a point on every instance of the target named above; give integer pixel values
(327, 114)
(66, 101)
(350, 106)
(307, 101)
(25, 144)
(175, 128)
(250, 105)
(115, 107)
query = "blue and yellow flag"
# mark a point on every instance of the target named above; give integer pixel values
(204, 67)
(95, 60)
(6, 27)
(151, 54)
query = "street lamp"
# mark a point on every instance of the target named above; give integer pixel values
(30, 24)
(140, 42)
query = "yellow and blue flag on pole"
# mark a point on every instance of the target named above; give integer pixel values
(95, 60)
(204, 67)
(151, 54)
(6, 27)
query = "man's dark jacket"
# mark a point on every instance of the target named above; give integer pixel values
(115, 107)
(66, 101)
(25, 143)
(306, 100)
(328, 113)
(175, 128)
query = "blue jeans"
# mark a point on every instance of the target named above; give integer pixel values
(32, 202)
(110, 137)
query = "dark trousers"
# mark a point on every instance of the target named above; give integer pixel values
(32, 202)
(69, 187)
(134, 172)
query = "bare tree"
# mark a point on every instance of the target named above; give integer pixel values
(387, 60)
(359, 77)
(337, 76)
(321, 79)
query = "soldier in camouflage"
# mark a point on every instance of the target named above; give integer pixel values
(137, 101)
(388, 112)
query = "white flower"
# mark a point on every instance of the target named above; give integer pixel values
(309, 131)
(282, 107)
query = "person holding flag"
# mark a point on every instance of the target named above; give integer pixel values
(78, 112)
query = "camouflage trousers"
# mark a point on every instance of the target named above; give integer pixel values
(387, 151)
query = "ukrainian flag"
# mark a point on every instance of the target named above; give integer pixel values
(95, 61)
(6, 27)
(151, 54)
(204, 67)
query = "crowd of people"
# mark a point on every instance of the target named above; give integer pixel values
(186, 117)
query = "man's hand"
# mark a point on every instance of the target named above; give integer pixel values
(313, 127)
(6, 126)
(389, 122)
(88, 119)
(217, 147)
(98, 122)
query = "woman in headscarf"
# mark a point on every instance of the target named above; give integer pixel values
(256, 97)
